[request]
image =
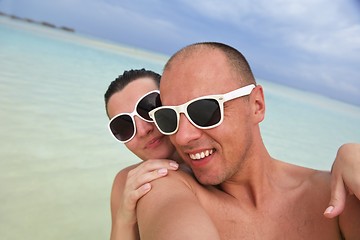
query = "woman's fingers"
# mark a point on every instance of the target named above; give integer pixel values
(338, 197)
(136, 194)
(153, 164)
(138, 180)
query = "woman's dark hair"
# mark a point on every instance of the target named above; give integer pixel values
(127, 77)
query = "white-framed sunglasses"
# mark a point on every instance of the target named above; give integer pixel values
(204, 112)
(123, 127)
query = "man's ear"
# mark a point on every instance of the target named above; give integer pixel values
(258, 102)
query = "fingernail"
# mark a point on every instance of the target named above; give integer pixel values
(174, 164)
(329, 209)
(146, 186)
(162, 171)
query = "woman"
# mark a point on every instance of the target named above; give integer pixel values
(128, 100)
(129, 94)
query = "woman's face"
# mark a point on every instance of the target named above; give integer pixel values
(148, 142)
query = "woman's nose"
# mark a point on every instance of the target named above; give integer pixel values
(143, 128)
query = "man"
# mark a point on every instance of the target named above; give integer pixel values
(249, 195)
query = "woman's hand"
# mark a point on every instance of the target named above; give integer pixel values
(138, 184)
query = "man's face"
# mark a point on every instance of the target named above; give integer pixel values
(216, 154)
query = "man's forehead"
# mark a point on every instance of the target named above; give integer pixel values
(192, 75)
(173, 93)
(176, 94)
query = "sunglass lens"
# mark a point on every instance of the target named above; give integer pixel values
(122, 127)
(148, 103)
(166, 120)
(204, 112)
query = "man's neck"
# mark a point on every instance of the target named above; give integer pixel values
(253, 181)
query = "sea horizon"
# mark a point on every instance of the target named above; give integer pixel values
(132, 50)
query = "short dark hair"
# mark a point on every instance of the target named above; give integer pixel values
(127, 77)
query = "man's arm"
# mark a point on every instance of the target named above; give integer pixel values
(345, 178)
(171, 210)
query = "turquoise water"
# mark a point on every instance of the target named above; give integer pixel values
(57, 159)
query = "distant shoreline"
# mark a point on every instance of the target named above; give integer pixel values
(43, 23)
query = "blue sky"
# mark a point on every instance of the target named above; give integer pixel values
(308, 44)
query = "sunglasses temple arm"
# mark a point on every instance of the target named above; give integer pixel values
(239, 92)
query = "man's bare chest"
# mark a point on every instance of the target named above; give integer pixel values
(286, 222)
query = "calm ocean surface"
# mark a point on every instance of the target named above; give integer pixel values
(57, 159)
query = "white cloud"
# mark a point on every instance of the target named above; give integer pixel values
(315, 26)
(343, 43)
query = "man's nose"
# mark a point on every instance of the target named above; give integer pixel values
(187, 132)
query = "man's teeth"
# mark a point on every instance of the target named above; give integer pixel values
(201, 155)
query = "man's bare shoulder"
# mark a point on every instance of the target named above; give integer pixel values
(173, 203)
(300, 175)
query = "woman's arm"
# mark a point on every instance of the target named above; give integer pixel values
(129, 186)
(345, 178)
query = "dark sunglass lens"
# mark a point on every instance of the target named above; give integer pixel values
(122, 127)
(166, 120)
(148, 103)
(204, 112)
